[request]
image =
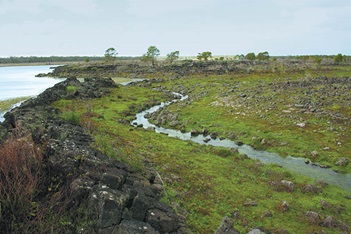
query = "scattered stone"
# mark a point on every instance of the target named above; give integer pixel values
(255, 231)
(174, 123)
(326, 205)
(309, 188)
(267, 213)
(288, 184)
(214, 135)
(314, 153)
(243, 95)
(301, 125)
(285, 206)
(263, 141)
(240, 143)
(330, 222)
(250, 203)
(342, 162)
(194, 132)
(313, 217)
(227, 227)
(207, 140)
(326, 148)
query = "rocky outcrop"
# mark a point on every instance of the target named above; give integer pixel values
(117, 200)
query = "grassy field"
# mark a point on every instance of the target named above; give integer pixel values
(203, 183)
(302, 115)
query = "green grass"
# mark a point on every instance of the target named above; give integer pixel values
(71, 89)
(8, 103)
(268, 112)
(205, 183)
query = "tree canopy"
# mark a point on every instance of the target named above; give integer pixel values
(172, 56)
(263, 56)
(204, 55)
(110, 54)
(250, 56)
(151, 55)
(338, 58)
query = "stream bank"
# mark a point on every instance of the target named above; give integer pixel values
(297, 165)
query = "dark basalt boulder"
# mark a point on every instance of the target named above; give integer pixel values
(117, 199)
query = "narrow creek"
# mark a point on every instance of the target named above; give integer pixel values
(294, 164)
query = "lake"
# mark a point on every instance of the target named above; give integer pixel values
(20, 81)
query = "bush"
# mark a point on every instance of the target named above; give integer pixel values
(20, 176)
(338, 58)
(72, 117)
(71, 89)
(31, 201)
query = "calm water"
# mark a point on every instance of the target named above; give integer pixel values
(21, 81)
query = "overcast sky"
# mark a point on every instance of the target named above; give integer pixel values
(224, 27)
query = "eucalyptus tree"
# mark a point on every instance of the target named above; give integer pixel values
(250, 56)
(263, 56)
(151, 55)
(110, 54)
(172, 56)
(339, 58)
(204, 55)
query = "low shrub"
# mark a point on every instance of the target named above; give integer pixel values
(20, 175)
(26, 204)
(72, 117)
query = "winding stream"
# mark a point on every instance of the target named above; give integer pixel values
(297, 165)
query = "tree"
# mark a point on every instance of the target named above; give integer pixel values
(110, 54)
(204, 55)
(263, 56)
(151, 55)
(172, 56)
(318, 60)
(250, 56)
(338, 58)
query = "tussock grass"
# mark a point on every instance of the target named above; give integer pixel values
(8, 103)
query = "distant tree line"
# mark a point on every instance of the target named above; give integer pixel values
(56, 59)
(153, 52)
